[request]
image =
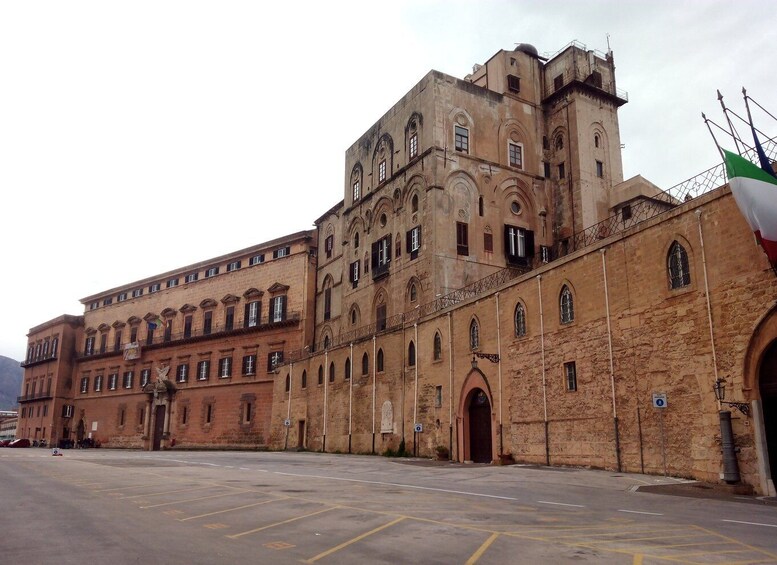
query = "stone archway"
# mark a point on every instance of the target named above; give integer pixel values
(475, 420)
(767, 385)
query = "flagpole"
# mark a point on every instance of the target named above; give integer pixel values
(707, 123)
(734, 132)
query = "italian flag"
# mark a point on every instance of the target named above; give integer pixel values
(755, 192)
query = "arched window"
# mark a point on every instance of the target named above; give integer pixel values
(332, 372)
(677, 263)
(288, 383)
(304, 379)
(326, 342)
(379, 362)
(559, 142)
(365, 364)
(474, 335)
(414, 203)
(596, 140)
(353, 317)
(320, 375)
(480, 205)
(437, 346)
(520, 320)
(566, 305)
(356, 240)
(348, 368)
(411, 355)
(413, 293)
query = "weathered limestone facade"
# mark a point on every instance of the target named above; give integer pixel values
(488, 284)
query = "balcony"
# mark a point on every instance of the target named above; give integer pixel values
(39, 360)
(196, 335)
(34, 396)
(380, 271)
(593, 82)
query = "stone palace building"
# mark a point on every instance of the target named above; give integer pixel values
(489, 288)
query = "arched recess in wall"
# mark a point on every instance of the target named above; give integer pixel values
(462, 195)
(384, 152)
(461, 118)
(475, 383)
(380, 308)
(413, 136)
(355, 226)
(416, 188)
(519, 205)
(413, 295)
(325, 338)
(382, 210)
(354, 315)
(513, 132)
(356, 183)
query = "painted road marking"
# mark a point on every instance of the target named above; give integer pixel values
(751, 523)
(354, 540)
(235, 536)
(215, 526)
(231, 509)
(193, 499)
(278, 545)
(482, 549)
(560, 504)
(165, 492)
(401, 485)
(638, 512)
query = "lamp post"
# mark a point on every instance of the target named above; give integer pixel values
(730, 465)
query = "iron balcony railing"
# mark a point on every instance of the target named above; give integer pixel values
(39, 359)
(35, 396)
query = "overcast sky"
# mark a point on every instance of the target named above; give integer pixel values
(138, 137)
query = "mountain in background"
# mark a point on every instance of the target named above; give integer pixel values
(11, 375)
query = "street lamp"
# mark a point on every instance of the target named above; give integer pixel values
(720, 394)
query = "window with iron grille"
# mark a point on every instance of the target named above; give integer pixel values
(329, 244)
(474, 335)
(520, 320)
(437, 346)
(567, 306)
(678, 266)
(570, 376)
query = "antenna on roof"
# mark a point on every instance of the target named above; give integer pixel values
(609, 51)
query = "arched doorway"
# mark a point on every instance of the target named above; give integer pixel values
(479, 410)
(767, 379)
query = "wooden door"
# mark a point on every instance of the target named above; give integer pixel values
(159, 426)
(480, 427)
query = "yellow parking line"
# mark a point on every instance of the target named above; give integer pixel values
(230, 509)
(626, 532)
(354, 540)
(235, 536)
(127, 488)
(637, 560)
(479, 553)
(165, 492)
(190, 500)
(629, 540)
(716, 552)
(737, 542)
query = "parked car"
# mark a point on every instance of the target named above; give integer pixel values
(5, 442)
(20, 443)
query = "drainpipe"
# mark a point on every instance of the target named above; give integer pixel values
(415, 392)
(450, 387)
(326, 386)
(288, 409)
(544, 385)
(374, 386)
(612, 364)
(730, 464)
(499, 372)
(350, 400)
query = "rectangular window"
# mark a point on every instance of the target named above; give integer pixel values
(570, 376)
(182, 372)
(327, 303)
(121, 417)
(203, 370)
(561, 172)
(127, 381)
(380, 317)
(488, 242)
(187, 327)
(103, 343)
(145, 376)
(149, 335)
(381, 256)
(519, 245)
(515, 152)
(354, 270)
(438, 396)
(113, 381)
(558, 82)
(282, 252)
(599, 169)
(233, 266)
(134, 335)
(84, 385)
(356, 191)
(212, 272)
(256, 259)
(89, 346)
(185, 415)
(462, 238)
(209, 413)
(278, 309)
(94, 305)
(137, 292)
(154, 288)
(207, 322)
(251, 319)
(107, 301)
(329, 243)
(513, 84)
(546, 169)
(382, 171)
(98, 383)
(274, 359)
(247, 415)
(225, 367)
(168, 334)
(545, 254)
(229, 321)
(461, 139)
(413, 240)
(249, 364)
(626, 212)
(172, 282)
(414, 146)
(191, 277)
